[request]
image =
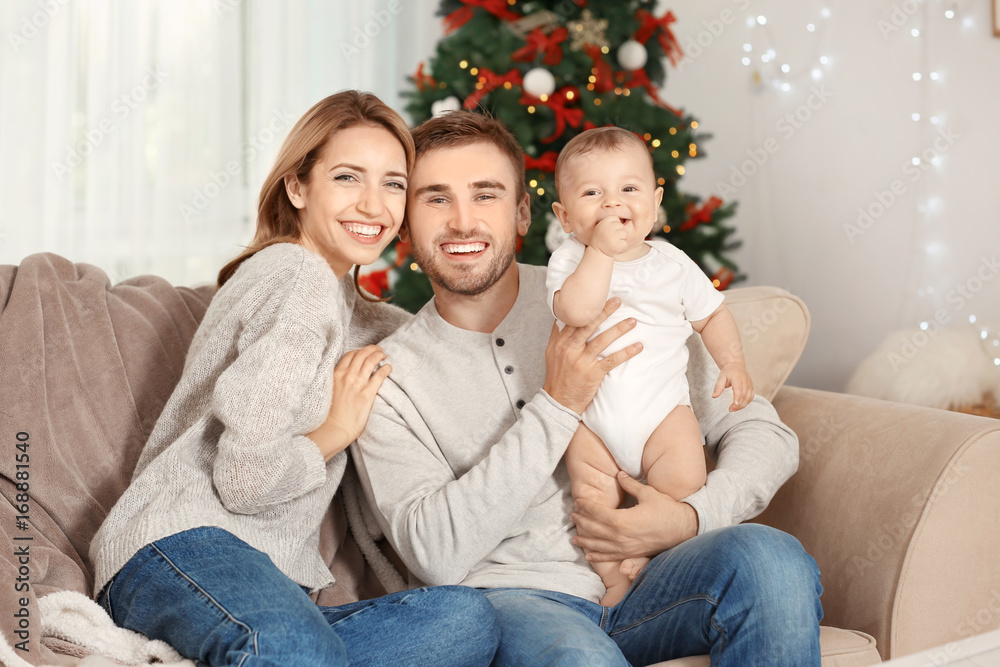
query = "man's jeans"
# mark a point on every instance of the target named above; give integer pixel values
(746, 596)
(219, 601)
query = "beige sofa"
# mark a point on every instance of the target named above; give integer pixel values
(897, 504)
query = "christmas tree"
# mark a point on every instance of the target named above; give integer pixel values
(550, 69)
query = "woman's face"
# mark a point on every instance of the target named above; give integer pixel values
(354, 201)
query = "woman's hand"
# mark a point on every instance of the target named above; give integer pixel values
(355, 384)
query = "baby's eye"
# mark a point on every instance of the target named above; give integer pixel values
(630, 188)
(588, 193)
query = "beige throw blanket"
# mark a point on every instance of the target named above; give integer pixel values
(85, 369)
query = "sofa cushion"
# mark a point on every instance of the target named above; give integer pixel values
(840, 648)
(774, 326)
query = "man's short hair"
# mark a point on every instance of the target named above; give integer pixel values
(596, 139)
(462, 128)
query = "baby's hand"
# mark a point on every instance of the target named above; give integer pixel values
(734, 374)
(610, 236)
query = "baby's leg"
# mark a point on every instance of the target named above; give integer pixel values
(592, 472)
(674, 462)
(674, 457)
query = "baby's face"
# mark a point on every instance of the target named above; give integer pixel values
(605, 183)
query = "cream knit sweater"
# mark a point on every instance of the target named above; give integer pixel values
(229, 449)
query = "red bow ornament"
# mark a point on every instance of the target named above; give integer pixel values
(539, 42)
(488, 82)
(463, 15)
(544, 162)
(557, 102)
(700, 216)
(639, 79)
(423, 81)
(649, 24)
(375, 283)
(602, 70)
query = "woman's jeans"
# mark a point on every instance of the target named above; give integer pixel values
(219, 601)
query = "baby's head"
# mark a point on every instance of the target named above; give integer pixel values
(603, 172)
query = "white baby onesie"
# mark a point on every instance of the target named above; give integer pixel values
(664, 290)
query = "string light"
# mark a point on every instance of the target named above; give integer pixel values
(656, 143)
(532, 183)
(680, 169)
(463, 64)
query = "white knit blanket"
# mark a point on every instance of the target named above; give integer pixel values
(75, 618)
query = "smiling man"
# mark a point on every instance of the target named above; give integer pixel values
(462, 455)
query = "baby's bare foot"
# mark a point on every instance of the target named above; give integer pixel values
(631, 567)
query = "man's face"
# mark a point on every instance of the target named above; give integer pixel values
(463, 216)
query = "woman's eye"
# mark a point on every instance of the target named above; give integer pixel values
(397, 185)
(344, 177)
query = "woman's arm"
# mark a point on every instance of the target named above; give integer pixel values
(260, 461)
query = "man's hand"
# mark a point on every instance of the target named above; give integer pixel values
(734, 374)
(655, 524)
(610, 236)
(573, 369)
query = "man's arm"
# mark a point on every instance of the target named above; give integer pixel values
(756, 454)
(440, 523)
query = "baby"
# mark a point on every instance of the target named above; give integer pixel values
(641, 420)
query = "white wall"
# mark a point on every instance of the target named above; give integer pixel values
(793, 209)
(796, 211)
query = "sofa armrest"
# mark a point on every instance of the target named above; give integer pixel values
(899, 506)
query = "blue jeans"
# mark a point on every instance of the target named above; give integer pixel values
(219, 601)
(746, 596)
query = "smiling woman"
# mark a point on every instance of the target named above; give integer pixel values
(241, 467)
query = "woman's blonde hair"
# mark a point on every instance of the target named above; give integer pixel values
(277, 218)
